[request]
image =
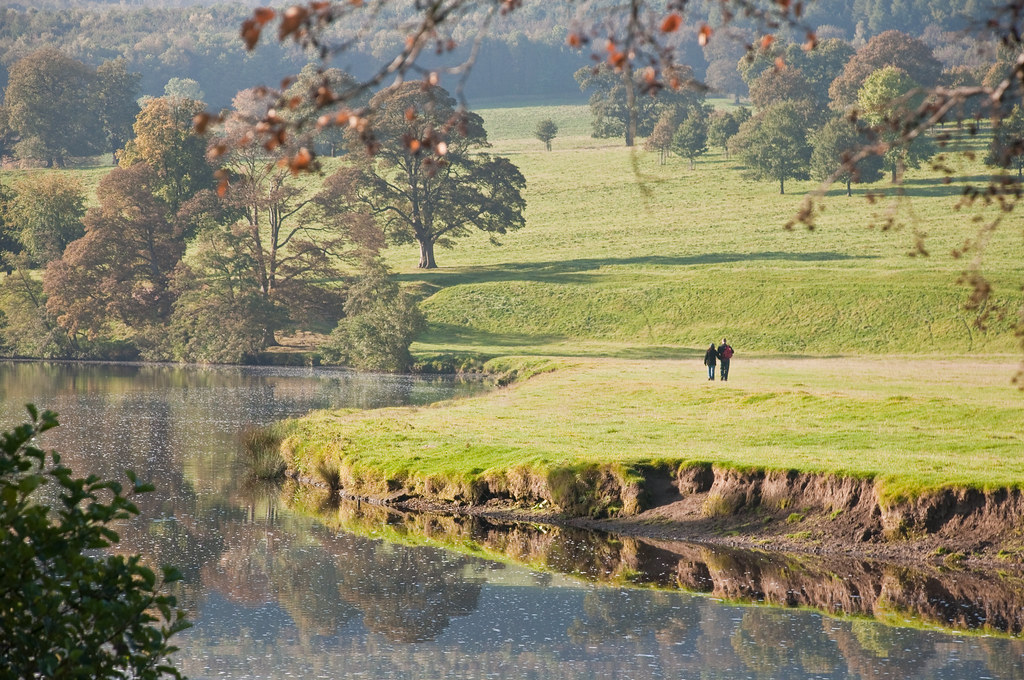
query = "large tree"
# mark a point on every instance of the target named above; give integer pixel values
(429, 189)
(690, 139)
(775, 85)
(46, 213)
(623, 104)
(891, 48)
(293, 235)
(49, 100)
(836, 142)
(165, 141)
(773, 144)
(660, 139)
(116, 93)
(884, 100)
(723, 125)
(116, 276)
(1007, 149)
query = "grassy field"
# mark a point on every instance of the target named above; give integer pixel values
(898, 421)
(621, 251)
(853, 356)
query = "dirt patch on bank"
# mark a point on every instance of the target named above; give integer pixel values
(779, 510)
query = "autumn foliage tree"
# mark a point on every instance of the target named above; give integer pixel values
(114, 280)
(164, 141)
(891, 48)
(428, 198)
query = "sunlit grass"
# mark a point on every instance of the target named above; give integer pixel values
(897, 421)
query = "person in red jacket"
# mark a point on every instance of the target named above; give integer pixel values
(725, 354)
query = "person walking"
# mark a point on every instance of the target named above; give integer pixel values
(725, 355)
(710, 360)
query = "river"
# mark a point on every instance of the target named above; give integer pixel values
(286, 583)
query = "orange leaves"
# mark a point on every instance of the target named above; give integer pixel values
(766, 41)
(252, 27)
(293, 19)
(703, 35)
(301, 161)
(575, 40)
(671, 23)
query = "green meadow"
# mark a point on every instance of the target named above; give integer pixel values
(855, 352)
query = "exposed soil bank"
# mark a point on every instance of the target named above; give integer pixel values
(809, 513)
(947, 596)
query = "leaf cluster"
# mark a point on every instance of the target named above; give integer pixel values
(68, 607)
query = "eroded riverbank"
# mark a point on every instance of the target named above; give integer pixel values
(947, 596)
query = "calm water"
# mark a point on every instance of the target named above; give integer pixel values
(363, 592)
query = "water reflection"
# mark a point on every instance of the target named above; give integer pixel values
(281, 583)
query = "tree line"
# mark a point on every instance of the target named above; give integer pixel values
(810, 108)
(204, 247)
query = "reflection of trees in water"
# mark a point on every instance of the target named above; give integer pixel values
(612, 614)
(406, 594)
(768, 641)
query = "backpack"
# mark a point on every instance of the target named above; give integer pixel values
(727, 352)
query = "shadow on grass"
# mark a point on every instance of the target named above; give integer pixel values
(460, 340)
(919, 188)
(564, 271)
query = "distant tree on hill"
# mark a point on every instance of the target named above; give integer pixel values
(116, 92)
(428, 195)
(884, 100)
(184, 88)
(890, 48)
(722, 125)
(1007, 149)
(46, 213)
(620, 105)
(690, 139)
(546, 131)
(50, 104)
(660, 139)
(318, 84)
(836, 142)
(773, 144)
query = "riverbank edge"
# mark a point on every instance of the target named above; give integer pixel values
(814, 512)
(783, 511)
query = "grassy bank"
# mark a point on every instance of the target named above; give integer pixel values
(628, 268)
(898, 422)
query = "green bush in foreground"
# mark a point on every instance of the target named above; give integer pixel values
(67, 611)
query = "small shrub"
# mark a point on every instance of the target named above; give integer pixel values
(794, 518)
(380, 324)
(263, 454)
(717, 505)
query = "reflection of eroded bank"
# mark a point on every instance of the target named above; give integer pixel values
(950, 599)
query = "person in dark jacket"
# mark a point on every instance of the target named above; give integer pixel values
(725, 354)
(710, 360)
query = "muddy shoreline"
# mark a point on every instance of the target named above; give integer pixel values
(788, 512)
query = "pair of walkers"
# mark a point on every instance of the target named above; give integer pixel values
(722, 353)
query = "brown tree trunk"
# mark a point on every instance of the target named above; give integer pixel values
(627, 75)
(848, 192)
(782, 185)
(427, 255)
